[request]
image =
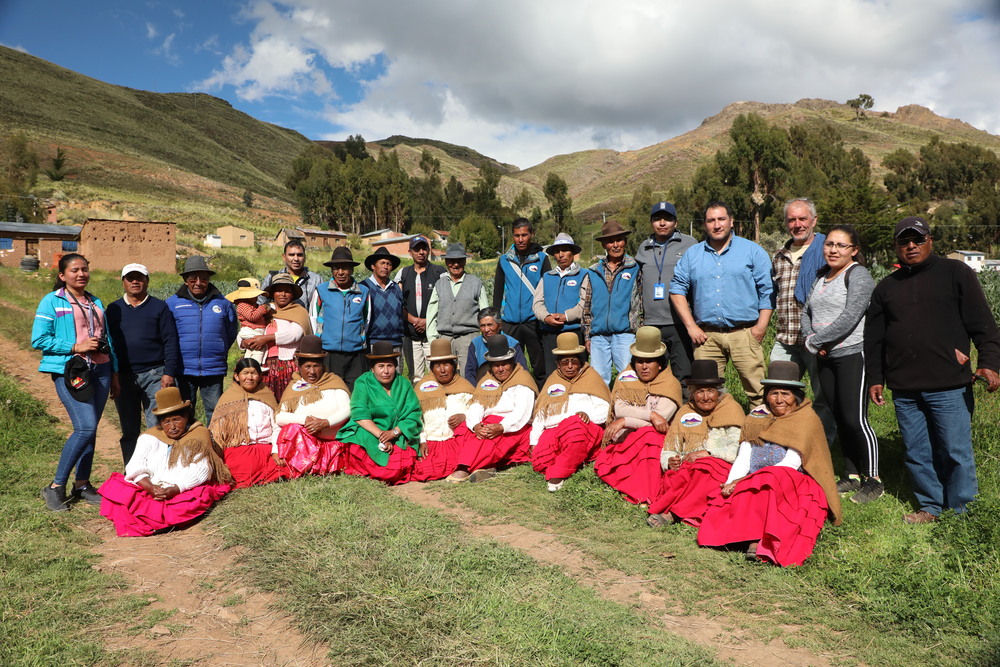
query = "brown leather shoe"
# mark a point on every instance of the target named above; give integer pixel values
(923, 516)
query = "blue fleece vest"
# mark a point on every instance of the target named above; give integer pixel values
(610, 309)
(344, 317)
(561, 294)
(517, 298)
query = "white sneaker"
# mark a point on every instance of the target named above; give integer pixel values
(555, 487)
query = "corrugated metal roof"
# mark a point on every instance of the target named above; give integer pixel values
(29, 228)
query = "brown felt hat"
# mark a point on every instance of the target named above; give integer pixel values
(611, 229)
(169, 400)
(381, 253)
(705, 373)
(441, 350)
(284, 280)
(382, 349)
(648, 344)
(341, 256)
(568, 343)
(784, 374)
(311, 347)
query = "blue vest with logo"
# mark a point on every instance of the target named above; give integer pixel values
(561, 294)
(517, 298)
(344, 315)
(610, 309)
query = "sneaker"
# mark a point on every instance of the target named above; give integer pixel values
(556, 486)
(923, 516)
(88, 494)
(848, 484)
(55, 498)
(871, 489)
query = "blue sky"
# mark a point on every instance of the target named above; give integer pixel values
(524, 80)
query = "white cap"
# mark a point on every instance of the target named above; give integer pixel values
(135, 268)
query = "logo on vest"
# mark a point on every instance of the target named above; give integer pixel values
(533, 268)
(691, 419)
(556, 390)
(571, 283)
(760, 411)
(489, 385)
(216, 309)
(627, 376)
(356, 299)
(430, 385)
(626, 276)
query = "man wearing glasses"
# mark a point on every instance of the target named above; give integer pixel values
(917, 335)
(794, 269)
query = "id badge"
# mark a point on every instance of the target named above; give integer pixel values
(659, 292)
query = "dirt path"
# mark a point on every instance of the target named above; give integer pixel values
(209, 615)
(547, 548)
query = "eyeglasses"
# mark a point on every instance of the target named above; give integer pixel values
(838, 246)
(902, 243)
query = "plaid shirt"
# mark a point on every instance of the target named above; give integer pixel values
(785, 273)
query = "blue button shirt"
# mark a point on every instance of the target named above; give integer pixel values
(725, 288)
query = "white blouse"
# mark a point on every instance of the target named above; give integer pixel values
(514, 408)
(333, 406)
(594, 407)
(151, 460)
(436, 421)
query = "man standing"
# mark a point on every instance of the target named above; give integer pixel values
(344, 306)
(657, 256)
(917, 335)
(794, 271)
(417, 282)
(149, 357)
(557, 303)
(728, 282)
(206, 328)
(489, 326)
(612, 302)
(386, 320)
(294, 256)
(455, 304)
(518, 273)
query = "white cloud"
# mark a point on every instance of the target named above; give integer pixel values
(151, 32)
(522, 80)
(166, 50)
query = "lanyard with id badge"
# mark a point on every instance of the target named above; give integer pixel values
(659, 289)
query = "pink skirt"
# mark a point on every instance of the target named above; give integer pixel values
(305, 454)
(135, 513)
(440, 460)
(563, 449)
(252, 465)
(684, 492)
(505, 449)
(398, 470)
(633, 465)
(781, 508)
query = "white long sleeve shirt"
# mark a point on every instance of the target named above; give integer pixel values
(436, 421)
(594, 407)
(151, 460)
(334, 406)
(514, 408)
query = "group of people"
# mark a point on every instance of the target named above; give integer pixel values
(621, 363)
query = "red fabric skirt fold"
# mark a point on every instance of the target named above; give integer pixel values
(306, 454)
(252, 464)
(782, 508)
(398, 470)
(440, 460)
(633, 465)
(563, 449)
(505, 449)
(279, 374)
(135, 513)
(684, 492)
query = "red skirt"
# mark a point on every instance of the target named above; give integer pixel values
(279, 374)
(633, 465)
(135, 513)
(505, 449)
(252, 464)
(398, 470)
(440, 460)
(684, 492)
(563, 449)
(306, 454)
(781, 508)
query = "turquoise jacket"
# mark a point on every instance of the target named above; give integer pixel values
(54, 332)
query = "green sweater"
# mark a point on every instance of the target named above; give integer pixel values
(369, 400)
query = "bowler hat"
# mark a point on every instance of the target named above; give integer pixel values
(497, 349)
(382, 349)
(441, 350)
(341, 256)
(248, 288)
(169, 400)
(784, 374)
(455, 251)
(567, 343)
(563, 240)
(196, 263)
(648, 344)
(381, 253)
(705, 373)
(611, 229)
(311, 347)
(284, 280)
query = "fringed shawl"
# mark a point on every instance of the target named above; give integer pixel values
(434, 396)
(690, 426)
(555, 394)
(299, 392)
(630, 389)
(229, 426)
(487, 393)
(293, 312)
(193, 445)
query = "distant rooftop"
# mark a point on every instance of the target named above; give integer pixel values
(45, 230)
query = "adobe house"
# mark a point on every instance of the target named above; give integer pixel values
(400, 246)
(235, 236)
(287, 234)
(46, 242)
(973, 259)
(111, 244)
(311, 238)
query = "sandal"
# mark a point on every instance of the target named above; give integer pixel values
(660, 520)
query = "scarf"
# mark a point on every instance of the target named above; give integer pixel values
(690, 426)
(632, 390)
(229, 426)
(555, 394)
(293, 312)
(802, 431)
(810, 264)
(397, 408)
(193, 445)
(487, 393)
(434, 396)
(299, 392)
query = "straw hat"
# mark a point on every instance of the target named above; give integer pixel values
(568, 343)
(311, 347)
(284, 280)
(784, 374)
(648, 344)
(169, 400)
(441, 350)
(248, 288)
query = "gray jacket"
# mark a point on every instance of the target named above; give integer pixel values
(658, 264)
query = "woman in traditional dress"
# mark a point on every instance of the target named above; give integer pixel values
(699, 450)
(780, 489)
(313, 407)
(645, 397)
(174, 476)
(243, 426)
(382, 438)
(570, 413)
(289, 323)
(496, 426)
(444, 399)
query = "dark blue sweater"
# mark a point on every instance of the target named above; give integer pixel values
(145, 336)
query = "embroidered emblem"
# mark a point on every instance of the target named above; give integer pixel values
(430, 385)
(556, 390)
(489, 385)
(300, 385)
(691, 419)
(626, 376)
(760, 411)
(216, 309)
(571, 283)
(626, 276)
(533, 268)
(356, 299)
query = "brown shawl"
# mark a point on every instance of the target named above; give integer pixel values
(229, 426)
(195, 443)
(632, 390)
(557, 390)
(434, 395)
(802, 431)
(489, 389)
(299, 392)
(688, 435)
(293, 312)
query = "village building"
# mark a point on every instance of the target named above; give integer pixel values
(973, 259)
(235, 237)
(45, 243)
(311, 238)
(110, 244)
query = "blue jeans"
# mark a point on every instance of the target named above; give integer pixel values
(210, 387)
(79, 448)
(138, 396)
(607, 349)
(937, 431)
(808, 364)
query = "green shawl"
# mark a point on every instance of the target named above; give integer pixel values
(369, 400)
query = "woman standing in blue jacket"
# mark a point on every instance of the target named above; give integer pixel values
(70, 325)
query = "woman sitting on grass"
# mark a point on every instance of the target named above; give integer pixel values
(174, 476)
(381, 439)
(444, 399)
(781, 488)
(243, 426)
(570, 415)
(699, 450)
(496, 426)
(645, 398)
(313, 407)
